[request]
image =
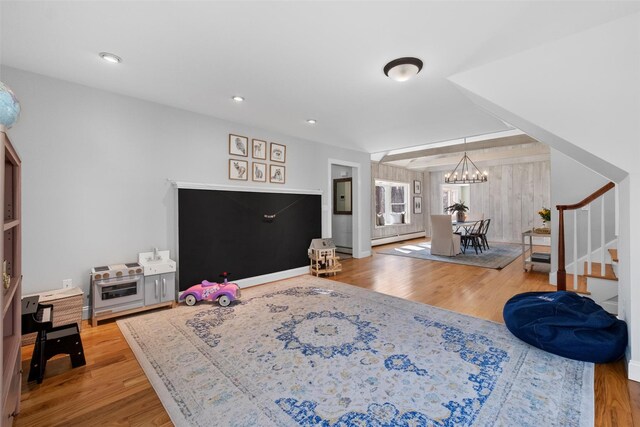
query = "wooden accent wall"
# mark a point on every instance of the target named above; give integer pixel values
(396, 174)
(511, 197)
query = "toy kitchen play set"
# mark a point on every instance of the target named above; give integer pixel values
(121, 289)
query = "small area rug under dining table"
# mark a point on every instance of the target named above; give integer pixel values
(313, 352)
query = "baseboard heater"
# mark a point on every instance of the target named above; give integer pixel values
(398, 238)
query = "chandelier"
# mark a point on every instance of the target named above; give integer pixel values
(463, 173)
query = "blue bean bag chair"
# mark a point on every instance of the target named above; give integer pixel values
(566, 324)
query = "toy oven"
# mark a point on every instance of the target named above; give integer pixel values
(118, 291)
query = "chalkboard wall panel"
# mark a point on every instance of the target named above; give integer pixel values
(226, 231)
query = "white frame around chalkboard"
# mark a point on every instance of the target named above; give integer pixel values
(262, 189)
(250, 281)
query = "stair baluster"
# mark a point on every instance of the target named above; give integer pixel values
(562, 273)
(575, 250)
(602, 242)
(589, 251)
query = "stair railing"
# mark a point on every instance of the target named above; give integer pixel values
(562, 273)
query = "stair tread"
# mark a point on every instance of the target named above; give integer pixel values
(582, 285)
(595, 271)
(614, 255)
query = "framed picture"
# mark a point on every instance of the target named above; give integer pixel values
(259, 149)
(277, 174)
(238, 169)
(417, 187)
(259, 172)
(417, 204)
(278, 152)
(238, 145)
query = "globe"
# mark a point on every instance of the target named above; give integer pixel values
(9, 107)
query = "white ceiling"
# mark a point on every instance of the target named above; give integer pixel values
(294, 60)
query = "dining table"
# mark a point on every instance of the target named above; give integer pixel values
(466, 226)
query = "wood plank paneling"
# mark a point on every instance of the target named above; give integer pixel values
(516, 205)
(512, 197)
(495, 203)
(528, 202)
(475, 203)
(507, 200)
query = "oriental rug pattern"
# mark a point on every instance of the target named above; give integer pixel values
(313, 352)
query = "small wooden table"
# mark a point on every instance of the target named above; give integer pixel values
(67, 306)
(528, 261)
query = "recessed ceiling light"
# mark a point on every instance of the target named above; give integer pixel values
(237, 98)
(311, 121)
(110, 57)
(402, 69)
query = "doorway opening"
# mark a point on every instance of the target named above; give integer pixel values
(343, 207)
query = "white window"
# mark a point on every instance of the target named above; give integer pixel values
(392, 203)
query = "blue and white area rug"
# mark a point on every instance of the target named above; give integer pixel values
(498, 256)
(313, 352)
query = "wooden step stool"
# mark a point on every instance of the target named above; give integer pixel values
(50, 342)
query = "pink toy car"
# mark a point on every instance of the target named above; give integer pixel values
(224, 292)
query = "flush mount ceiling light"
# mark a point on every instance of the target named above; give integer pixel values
(464, 174)
(402, 69)
(110, 57)
(312, 121)
(237, 98)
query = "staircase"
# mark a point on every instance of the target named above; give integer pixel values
(598, 280)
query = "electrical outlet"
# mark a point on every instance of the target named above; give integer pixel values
(67, 283)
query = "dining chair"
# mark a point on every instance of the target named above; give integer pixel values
(443, 240)
(473, 237)
(483, 233)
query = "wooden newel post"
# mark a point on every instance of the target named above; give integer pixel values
(562, 273)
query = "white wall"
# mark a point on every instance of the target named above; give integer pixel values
(341, 225)
(96, 171)
(581, 96)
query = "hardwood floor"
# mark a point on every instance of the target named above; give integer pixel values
(113, 390)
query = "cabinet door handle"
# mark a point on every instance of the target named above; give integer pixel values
(164, 287)
(157, 292)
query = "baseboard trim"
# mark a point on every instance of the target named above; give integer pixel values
(397, 238)
(633, 370)
(272, 277)
(244, 283)
(362, 254)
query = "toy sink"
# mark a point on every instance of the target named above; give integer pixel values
(156, 262)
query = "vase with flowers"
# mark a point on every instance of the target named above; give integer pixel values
(545, 214)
